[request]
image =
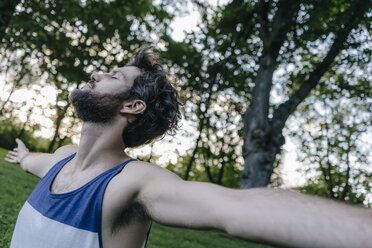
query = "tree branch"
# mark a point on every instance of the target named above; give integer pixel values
(282, 113)
(329, 165)
(281, 24)
(208, 168)
(263, 8)
(201, 127)
(346, 187)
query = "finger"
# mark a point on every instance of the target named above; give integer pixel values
(10, 156)
(11, 160)
(15, 149)
(13, 153)
(19, 142)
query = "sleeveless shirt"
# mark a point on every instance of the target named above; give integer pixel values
(68, 220)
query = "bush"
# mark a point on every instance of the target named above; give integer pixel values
(9, 131)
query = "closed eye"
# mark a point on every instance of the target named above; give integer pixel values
(114, 75)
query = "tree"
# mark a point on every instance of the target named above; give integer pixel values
(310, 35)
(215, 96)
(334, 144)
(70, 39)
(18, 71)
(240, 46)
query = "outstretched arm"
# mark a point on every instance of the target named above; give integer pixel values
(272, 216)
(37, 164)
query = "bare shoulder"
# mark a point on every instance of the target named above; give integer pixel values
(68, 149)
(147, 172)
(137, 175)
(123, 189)
(63, 152)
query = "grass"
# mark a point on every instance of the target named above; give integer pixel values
(16, 186)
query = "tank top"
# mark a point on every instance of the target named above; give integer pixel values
(68, 220)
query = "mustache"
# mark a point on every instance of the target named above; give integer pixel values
(92, 84)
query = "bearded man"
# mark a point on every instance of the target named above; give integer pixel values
(95, 195)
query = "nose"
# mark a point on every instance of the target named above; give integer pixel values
(95, 77)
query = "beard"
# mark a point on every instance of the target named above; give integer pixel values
(97, 108)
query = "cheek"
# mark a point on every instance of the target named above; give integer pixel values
(106, 89)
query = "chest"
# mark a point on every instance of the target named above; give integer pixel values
(114, 194)
(122, 222)
(68, 180)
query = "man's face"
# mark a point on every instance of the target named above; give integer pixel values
(117, 80)
(100, 99)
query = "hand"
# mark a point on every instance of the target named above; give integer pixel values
(18, 153)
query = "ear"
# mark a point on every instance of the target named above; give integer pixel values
(133, 107)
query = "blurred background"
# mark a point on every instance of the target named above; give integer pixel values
(277, 93)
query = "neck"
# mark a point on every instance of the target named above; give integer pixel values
(101, 145)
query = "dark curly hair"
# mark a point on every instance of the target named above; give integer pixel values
(162, 113)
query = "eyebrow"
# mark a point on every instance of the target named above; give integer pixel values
(118, 71)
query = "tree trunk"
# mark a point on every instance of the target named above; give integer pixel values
(207, 167)
(258, 152)
(151, 153)
(220, 174)
(192, 158)
(61, 115)
(346, 188)
(209, 173)
(29, 112)
(201, 127)
(257, 160)
(56, 134)
(16, 84)
(329, 164)
(263, 137)
(7, 100)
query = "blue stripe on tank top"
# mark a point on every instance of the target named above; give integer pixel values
(80, 208)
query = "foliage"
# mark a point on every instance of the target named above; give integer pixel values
(71, 39)
(9, 131)
(319, 188)
(240, 47)
(7, 8)
(199, 173)
(333, 143)
(216, 90)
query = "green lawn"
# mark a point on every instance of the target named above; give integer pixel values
(16, 185)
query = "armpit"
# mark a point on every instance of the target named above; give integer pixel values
(132, 214)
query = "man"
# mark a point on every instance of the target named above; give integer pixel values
(95, 195)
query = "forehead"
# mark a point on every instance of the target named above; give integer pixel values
(129, 72)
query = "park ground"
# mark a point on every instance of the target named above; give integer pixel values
(16, 186)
